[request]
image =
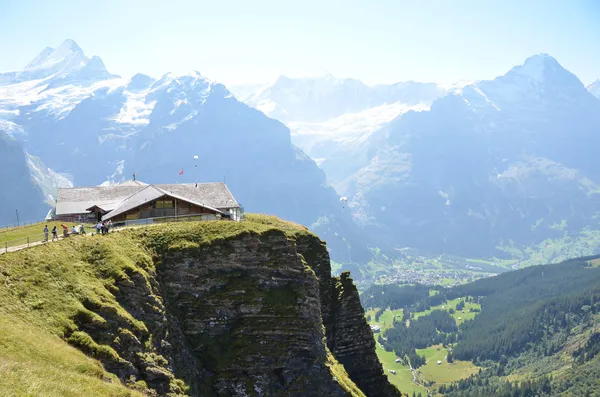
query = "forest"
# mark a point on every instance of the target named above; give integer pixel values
(432, 329)
(527, 319)
(394, 296)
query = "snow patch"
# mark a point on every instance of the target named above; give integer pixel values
(11, 128)
(136, 110)
(57, 101)
(354, 124)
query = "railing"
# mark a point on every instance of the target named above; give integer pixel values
(37, 239)
(8, 228)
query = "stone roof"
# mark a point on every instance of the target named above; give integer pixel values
(77, 200)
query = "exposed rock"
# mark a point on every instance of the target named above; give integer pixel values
(252, 314)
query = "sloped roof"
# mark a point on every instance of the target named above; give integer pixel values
(214, 195)
(149, 193)
(140, 197)
(78, 200)
(133, 183)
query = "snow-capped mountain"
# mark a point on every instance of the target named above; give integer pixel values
(320, 99)
(65, 63)
(79, 124)
(501, 163)
(594, 88)
(331, 119)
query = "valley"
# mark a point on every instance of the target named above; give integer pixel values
(444, 184)
(554, 327)
(432, 374)
(300, 199)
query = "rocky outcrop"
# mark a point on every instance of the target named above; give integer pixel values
(226, 309)
(249, 310)
(349, 336)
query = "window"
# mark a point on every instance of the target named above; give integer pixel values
(164, 204)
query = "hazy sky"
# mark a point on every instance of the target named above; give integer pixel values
(378, 41)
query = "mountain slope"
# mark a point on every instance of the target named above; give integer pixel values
(323, 98)
(188, 309)
(331, 119)
(19, 192)
(594, 88)
(503, 163)
(86, 123)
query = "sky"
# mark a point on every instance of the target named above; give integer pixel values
(246, 42)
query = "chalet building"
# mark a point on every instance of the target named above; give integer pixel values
(135, 200)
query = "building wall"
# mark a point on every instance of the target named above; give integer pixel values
(235, 213)
(149, 211)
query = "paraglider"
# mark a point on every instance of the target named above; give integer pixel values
(344, 201)
(195, 163)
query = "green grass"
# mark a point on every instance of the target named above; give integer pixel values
(445, 372)
(35, 232)
(36, 363)
(403, 379)
(451, 304)
(386, 320)
(341, 376)
(43, 290)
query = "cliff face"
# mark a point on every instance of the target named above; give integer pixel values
(349, 337)
(222, 309)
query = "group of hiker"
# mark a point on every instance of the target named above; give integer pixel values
(101, 228)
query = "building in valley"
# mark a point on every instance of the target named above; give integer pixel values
(134, 200)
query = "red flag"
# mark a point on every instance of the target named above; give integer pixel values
(181, 172)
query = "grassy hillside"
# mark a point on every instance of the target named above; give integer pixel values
(41, 290)
(46, 293)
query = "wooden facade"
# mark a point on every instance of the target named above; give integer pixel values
(166, 207)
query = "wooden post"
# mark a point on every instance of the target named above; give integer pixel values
(6, 246)
(27, 242)
(175, 210)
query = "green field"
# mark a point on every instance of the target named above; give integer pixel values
(431, 372)
(403, 378)
(386, 320)
(451, 304)
(35, 232)
(445, 372)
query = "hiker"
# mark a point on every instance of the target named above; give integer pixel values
(108, 225)
(98, 227)
(46, 233)
(73, 230)
(65, 230)
(82, 229)
(103, 227)
(54, 233)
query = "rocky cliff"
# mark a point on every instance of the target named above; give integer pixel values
(203, 309)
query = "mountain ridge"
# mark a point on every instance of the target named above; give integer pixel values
(105, 128)
(450, 164)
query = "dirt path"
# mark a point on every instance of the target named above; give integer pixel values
(3, 250)
(415, 380)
